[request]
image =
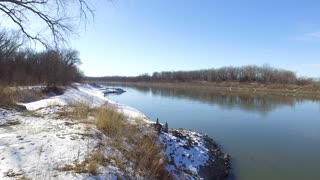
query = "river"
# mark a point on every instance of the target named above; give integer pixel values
(267, 137)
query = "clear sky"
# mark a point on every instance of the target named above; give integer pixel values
(131, 37)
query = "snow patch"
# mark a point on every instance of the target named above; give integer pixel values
(91, 95)
(37, 146)
(186, 152)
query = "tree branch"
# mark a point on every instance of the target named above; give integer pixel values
(58, 25)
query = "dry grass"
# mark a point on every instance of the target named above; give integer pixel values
(110, 122)
(79, 111)
(118, 161)
(23, 178)
(148, 157)
(28, 95)
(7, 96)
(89, 165)
(10, 95)
(134, 146)
(140, 148)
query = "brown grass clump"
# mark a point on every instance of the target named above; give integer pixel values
(7, 96)
(118, 161)
(134, 146)
(28, 95)
(89, 165)
(148, 157)
(23, 178)
(141, 148)
(110, 122)
(79, 111)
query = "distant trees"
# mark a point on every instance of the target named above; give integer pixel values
(261, 74)
(23, 67)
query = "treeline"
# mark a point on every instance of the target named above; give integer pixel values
(261, 74)
(20, 66)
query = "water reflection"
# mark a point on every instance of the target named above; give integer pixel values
(285, 145)
(227, 99)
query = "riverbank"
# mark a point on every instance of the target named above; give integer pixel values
(41, 137)
(311, 91)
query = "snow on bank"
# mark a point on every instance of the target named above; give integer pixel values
(39, 144)
(186, 151)
(35, 144)
(91, 95)
(6, 118)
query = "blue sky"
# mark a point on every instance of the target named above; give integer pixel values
(131, 37)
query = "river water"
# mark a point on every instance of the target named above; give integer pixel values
(267, 137)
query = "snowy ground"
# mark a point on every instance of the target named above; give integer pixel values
(36, 146)
(35, 143)
(186, 152)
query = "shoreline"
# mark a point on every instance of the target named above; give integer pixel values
(306, 91)
(216, 167)
(190, 155)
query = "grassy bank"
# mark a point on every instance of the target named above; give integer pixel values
(311, 91)
(134, 146)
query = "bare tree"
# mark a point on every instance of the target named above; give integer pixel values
(57, 16)
(9, 43)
